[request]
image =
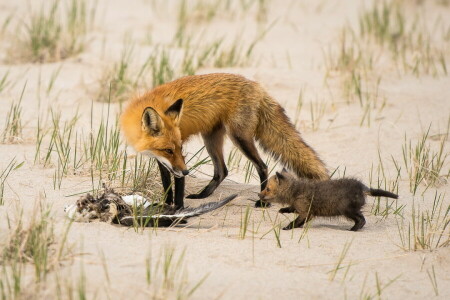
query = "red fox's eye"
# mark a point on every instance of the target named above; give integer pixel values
(268, 189)
(169, 151)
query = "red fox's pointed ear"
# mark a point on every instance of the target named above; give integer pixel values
(151, 122)
(174, 111)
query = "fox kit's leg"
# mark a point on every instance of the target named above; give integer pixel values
(214, 145)
(166, 182)
(359, 219)
(298, 222)
(287, 210)
(247, 146)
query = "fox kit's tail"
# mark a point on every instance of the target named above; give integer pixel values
(381, 193)
(278, 136)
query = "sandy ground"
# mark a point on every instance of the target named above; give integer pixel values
(290, 58)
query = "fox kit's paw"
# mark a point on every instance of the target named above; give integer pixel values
(289, 227)
(286, 210)
(260, 203)
(292, 226)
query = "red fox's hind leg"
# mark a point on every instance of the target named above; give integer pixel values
(214, 145)
(248, 147)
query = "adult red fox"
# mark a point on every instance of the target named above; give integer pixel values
(160, 121)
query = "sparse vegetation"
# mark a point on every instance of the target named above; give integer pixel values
(168, 277)
(423, 163)
(53, 32)
(35, 244)
(119, 81)
(410, 43)
(426, 229)
(64, 84)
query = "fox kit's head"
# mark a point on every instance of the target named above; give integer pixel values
(158, 135)
(277, 186)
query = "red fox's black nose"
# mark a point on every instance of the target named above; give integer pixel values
(185, 172)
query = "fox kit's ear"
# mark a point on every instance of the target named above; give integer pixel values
(279, 176)
(174, 111)
(151, 122)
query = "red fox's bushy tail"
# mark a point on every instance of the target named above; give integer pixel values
(278, 136)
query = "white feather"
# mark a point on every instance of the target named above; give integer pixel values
(136, 200)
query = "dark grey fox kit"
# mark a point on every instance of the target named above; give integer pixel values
(328, 198)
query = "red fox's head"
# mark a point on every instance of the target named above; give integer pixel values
(158, 136)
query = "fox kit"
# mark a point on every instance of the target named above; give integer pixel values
(320, 198)
(160, 121)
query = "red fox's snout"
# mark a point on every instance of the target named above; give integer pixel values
(175, 165)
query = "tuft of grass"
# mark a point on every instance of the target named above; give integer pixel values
(12, 165)
(238, 54)
(117, 83)
(12, 133)
(99, 154)
(423, 163)
(53, 32)
(35, 243)
(162, 69)
(410, 43)
(426, 230)
(168, 277)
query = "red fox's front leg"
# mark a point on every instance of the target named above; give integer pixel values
(167, 185)
(214, 145)
(179, 192)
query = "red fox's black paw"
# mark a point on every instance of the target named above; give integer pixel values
(260, 203)
(207, 191)
(196, 196)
